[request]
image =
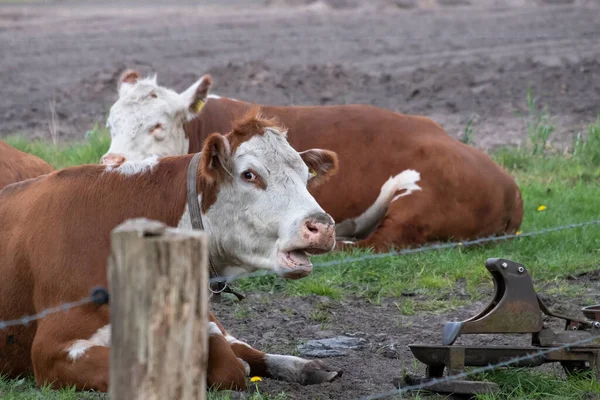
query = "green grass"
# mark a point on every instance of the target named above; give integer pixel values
(86, 152)
(568, 185)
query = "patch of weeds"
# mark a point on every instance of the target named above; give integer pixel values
(321, 313)
(406, 307)
(86, 152)
(588, 150)
(468, 136)
(26, 389)
(241, 312)
(253, 388)
(520, 383)
(319, 288)
(539, 126)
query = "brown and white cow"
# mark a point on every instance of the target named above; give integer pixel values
(54, 245)
(16, 166)
(464, 194)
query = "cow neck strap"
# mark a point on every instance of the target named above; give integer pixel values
(215, 286)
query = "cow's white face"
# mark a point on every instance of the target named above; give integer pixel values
(147, 119)
(263, 216)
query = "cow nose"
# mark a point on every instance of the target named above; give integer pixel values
(319, 232)
(112, 159)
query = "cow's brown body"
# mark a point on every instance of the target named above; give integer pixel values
(16, 166)
(465, 194)
(54, 246)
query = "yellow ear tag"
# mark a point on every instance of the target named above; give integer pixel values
(312, 172)
(199, 106)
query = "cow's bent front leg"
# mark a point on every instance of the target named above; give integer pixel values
(64, 362)
(280, 367)
(225, 370)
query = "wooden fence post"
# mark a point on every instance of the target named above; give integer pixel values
(158, 280)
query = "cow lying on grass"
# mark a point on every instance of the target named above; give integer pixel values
(16, 166)
(464, 193)
(54, 245)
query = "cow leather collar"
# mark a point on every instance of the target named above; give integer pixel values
(216, 286)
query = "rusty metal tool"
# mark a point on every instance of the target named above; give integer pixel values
(515, 308)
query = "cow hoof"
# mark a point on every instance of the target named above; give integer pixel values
(316, 371)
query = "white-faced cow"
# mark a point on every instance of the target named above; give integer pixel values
(16, 166)
(464, 194)
(54, 245)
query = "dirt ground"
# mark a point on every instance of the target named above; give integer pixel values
(279, 324)
(448, 59)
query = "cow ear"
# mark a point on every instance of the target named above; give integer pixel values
(128, 77)
(322, 164)
(195, 96)
(216, 158)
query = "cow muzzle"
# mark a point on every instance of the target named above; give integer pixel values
(316, 236)
(112, 159)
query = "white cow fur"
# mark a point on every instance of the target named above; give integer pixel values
(134, 168)
(147, 120)
(100, 338)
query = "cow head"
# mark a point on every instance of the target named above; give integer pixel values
(147, 119)
(255, 201)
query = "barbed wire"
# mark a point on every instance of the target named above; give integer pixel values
(491, 367)
(422, 249)
(99, 296)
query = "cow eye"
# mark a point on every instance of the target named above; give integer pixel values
(153, 95)
(248, 176)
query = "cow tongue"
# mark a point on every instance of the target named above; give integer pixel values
(299, 257)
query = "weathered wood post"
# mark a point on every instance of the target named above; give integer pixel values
(158, 280)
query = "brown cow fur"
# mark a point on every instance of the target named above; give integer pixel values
(464, 193)
(16, 166)
(54, 244)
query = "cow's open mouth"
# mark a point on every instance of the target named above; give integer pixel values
(297, 259)
(296, 262)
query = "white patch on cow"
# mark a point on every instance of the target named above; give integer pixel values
(216, 97)
(406, 180)
(80, 347)
(233, 340)
(363, 225)
(213, 329)
(185, 222)
(133, 167)
(246, 366)
(286, 368)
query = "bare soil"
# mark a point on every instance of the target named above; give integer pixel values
(448, 59)
(275, 323)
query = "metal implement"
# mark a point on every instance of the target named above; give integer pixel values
(515, 308)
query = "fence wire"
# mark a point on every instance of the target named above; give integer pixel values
(491, 367)
(422, 249)
(99, 296)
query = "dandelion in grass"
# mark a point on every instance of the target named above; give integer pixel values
(542, 208)
(255, 379)
(518, 233)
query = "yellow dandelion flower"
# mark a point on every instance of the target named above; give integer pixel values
(542, 208)
(519, 232)
(256, 379)
(460, 243)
